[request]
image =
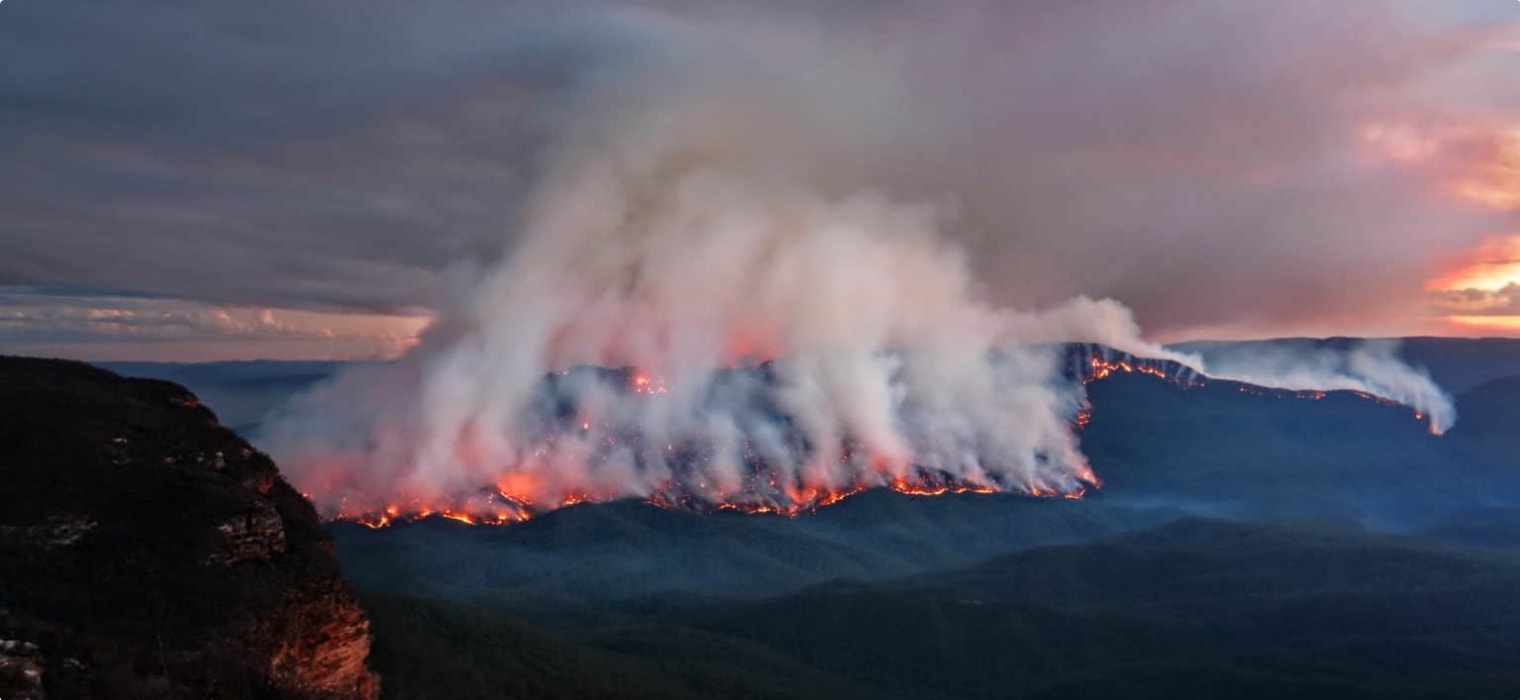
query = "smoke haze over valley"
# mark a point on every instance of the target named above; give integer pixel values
(706, 202)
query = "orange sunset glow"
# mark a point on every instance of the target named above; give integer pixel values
(1473, 297)
(1491, 268)
(1497, 325)
(1480, 167)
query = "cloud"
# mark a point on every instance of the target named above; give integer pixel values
(1201, 162)
(1504, 301)
(99, 326)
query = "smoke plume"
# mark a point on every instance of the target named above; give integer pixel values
(736, 219)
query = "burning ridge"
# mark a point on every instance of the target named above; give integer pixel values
(762, 489)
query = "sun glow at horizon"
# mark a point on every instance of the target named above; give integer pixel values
(1509, 324)
(1476, 295)
(1490, 268)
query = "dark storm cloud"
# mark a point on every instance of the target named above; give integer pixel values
(340, 155)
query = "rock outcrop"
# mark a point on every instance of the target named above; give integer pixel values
(148, 552)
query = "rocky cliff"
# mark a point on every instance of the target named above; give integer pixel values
(148, 552)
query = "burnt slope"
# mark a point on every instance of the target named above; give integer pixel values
(146, 551)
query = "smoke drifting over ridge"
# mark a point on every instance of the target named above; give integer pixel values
(716, 199)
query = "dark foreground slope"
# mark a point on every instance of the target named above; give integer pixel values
(147, 552)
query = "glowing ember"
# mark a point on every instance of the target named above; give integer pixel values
(642, 384)
(1094, 363)
(505, 509)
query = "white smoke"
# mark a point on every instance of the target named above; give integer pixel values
(1370, 367)
(708, 207)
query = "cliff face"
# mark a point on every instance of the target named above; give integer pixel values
(148, 552)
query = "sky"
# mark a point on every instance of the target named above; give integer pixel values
(297, 180)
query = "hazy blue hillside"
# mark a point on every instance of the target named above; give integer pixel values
(241, 393)
(1216, 449)
(1459, 364)
(1486, 527)
(1490, 411)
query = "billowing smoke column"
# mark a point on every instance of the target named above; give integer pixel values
(794, 331)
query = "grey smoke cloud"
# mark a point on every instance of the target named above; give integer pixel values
(1371, 367)
(731, 192)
